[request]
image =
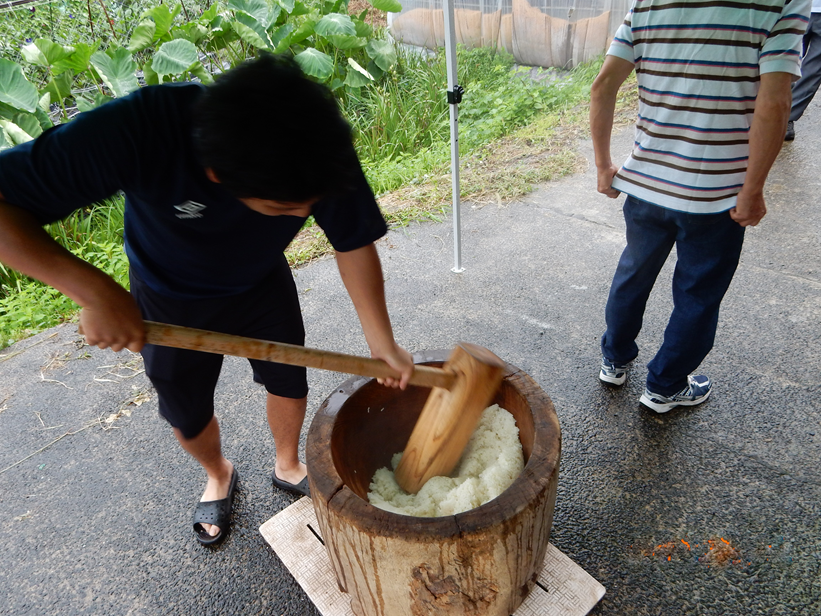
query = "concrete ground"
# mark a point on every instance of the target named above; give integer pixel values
(96, 497)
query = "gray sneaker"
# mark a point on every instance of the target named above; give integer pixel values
(612, 374)
(697, 391)
(790, 135)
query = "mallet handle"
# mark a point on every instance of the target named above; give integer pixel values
(282, 353)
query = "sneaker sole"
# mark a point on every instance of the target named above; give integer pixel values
(612, 380)
(663, 408)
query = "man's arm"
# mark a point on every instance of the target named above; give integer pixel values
(110, 317)
(602, 107)
(361, 272)
(772, 111)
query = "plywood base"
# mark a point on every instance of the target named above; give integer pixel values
(564, 588)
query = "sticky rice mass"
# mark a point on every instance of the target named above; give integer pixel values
(491, 462)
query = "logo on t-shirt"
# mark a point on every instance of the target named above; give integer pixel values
(190, 209)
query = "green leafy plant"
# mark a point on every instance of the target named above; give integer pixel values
(166, 44)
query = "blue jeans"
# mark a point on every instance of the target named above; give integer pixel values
(805, 88)
(708, 247)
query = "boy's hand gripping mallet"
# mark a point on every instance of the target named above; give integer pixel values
(462, 388)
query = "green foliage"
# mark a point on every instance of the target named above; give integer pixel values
(174, 58)
(390, 6)
(15, 90)
(44, 52)
(30, 306)
(315, 63)
(117, 70)
(164, 43)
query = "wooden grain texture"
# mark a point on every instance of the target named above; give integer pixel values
(226, 344)
(450, 416)
(563, 588)
(482, 562)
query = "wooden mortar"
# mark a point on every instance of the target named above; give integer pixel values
(481, 562)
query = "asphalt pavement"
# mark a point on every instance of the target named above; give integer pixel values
(712, 510)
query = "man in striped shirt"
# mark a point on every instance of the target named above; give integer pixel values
(805, 88)
(714, 98)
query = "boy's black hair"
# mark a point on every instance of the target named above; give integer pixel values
(269, 132)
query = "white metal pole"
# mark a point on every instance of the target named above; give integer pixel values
(454, 96)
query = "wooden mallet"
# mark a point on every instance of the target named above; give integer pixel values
(449, 416)
(462, 388)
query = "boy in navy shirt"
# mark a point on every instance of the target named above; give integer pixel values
(217, 181)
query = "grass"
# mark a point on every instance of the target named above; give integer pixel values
(414, 139)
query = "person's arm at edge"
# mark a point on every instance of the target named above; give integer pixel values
(361, 272)
(110, 317)
(772, 111)
(603, 95)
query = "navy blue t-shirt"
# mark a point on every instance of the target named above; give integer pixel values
(185, 236)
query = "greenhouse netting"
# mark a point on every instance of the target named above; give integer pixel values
(561, 33)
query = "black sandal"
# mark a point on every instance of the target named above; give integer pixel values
(216, 512)
(296, 488)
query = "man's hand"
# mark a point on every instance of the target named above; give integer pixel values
(398, 359)
(603, 95)
(749, 209)
(772, 111)
(605, 179)
(113, 322)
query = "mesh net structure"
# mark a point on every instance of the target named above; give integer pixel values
(560, 33)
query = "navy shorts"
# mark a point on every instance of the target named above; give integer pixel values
(185, 380)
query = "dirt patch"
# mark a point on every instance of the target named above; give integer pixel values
(721, 552)
(375, 17)
(500, 172)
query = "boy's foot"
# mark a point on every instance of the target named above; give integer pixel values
(297, 488)
(212, 519)
(218, 489)
(697, 391)
(611, 373)
(790, 135)
(293, 479)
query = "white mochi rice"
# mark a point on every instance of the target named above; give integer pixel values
(491, 462)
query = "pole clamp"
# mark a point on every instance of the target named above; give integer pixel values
(455, 96)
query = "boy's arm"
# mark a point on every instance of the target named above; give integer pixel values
(602, 107)
(110, 317)
(361, 272)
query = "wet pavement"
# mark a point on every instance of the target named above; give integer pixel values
(712, 510)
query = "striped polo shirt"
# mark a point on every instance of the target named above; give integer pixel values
(698, 64)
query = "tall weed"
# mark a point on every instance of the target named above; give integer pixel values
(416, 140)
(406, 113)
